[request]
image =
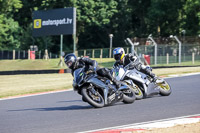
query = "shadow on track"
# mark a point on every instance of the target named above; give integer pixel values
(72, 107)
(63, 108)
(69, 101)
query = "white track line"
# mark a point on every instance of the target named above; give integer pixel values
(153, 124)
(181, 75)
(45, 93)
(38, 94)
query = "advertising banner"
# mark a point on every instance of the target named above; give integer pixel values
(54, 22)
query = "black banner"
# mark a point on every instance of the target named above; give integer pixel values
(54, 22)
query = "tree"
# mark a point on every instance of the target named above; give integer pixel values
(121, 22)
(129, 21)
(92, 18)
(96, 19)
(191, 17)
(10, 30)
(163, 17)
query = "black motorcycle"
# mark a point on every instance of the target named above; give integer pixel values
(99, 91)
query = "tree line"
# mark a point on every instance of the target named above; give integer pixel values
(96, 19)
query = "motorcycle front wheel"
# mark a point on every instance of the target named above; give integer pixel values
(128, 96)
(93, 97)
(165, 89)
(138, 92)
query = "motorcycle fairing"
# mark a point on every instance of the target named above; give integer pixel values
(98, 83)
(78, 76)
(133, 74)
(152, 89)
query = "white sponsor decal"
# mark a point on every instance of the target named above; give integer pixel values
(56, 22)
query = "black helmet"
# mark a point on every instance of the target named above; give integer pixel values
(70, 60)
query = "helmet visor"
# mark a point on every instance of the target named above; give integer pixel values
(69, 63)
(117, 56)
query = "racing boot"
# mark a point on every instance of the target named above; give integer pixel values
(149, 73)
(116, 82)
(155, 79)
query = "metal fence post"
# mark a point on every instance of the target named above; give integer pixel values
(155, 49)
(84, 53)
(167, 58)
(92, 53)
(156, 53)
(110, 53)
(111, 36)
(39, 54)
(18, 54)
(101, 53)
(127, 50)
(179, 49)
(24, 54)
(76, 53)
(29, 54)
(193, 58)
(50, 55)
(13, 54)
(46, 56)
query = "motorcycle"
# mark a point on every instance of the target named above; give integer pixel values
(142, 84)
(99, 91)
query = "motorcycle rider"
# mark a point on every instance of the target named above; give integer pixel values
(124, 59)
(74, 63)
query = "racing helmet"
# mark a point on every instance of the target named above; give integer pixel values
(118, 54)
(70, 60)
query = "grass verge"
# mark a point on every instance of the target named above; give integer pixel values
(39, 64)
(13, 85)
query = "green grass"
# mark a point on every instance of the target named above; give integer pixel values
(13, 85)
(39, 64)
(189, 63)
(172, 71)
(10, 65)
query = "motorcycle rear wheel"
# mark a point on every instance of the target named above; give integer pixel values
(96, 100)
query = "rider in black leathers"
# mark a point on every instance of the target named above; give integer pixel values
(74, 63)
(124, 59)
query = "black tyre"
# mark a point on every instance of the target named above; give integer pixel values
(96, 100)
(138, 93)
(165, 89)
(128, 96)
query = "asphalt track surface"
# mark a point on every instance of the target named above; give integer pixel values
(66, 113)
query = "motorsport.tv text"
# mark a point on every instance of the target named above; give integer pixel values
(38, 23)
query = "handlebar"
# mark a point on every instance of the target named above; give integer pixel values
(126, 67)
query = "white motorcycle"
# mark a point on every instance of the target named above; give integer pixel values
(142, 84)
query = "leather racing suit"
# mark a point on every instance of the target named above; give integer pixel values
(92, 64)
(137, 64)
